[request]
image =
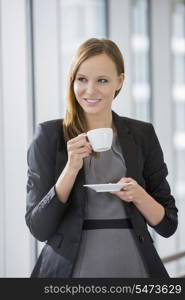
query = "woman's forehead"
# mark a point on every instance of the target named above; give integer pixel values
(101, 64)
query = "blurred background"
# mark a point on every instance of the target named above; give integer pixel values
(37, 41)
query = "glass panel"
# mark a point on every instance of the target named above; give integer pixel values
(178, 93)
(176, 268)
(79, 20)
(140, 43)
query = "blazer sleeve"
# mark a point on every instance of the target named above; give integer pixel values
(155, 172)
(43, 208)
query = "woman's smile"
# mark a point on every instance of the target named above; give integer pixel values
(92, 101)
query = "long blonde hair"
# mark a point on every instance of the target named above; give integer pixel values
(74, 121)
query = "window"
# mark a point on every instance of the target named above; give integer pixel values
(178, 94)
(79, 20)
(140, 45)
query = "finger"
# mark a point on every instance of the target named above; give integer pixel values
(131, 180)
(77, 138)
(126, 180)
(128, 187)
(79, 150)
(79, 144)
(114, 193)
(130, 197)
(84, 155)
(123, 195)
(82, 142)
(83, 150)
(123, 180)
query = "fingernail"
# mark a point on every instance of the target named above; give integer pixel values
(82, 134)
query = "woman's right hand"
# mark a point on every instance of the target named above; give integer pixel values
(78, 148)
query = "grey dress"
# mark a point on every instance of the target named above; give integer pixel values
(107, 252)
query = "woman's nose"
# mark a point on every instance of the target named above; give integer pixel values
(90, 88)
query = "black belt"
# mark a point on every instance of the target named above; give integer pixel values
(110, 223)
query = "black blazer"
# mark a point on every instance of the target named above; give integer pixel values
(60, 225)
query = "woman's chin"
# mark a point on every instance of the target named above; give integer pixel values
(92, 110)
(96, 110)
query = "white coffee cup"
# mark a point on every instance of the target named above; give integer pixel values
(100, 139)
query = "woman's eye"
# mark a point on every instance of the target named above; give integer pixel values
(103, 80)
(82, 79)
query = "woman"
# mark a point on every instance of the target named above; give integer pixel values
(91, 234)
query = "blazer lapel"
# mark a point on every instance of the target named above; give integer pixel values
(128, 146)
(130, 154)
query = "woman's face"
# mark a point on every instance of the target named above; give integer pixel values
(95, 84)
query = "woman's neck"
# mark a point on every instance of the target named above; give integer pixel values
(95, 121)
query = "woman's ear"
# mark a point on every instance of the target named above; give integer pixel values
(121, 78)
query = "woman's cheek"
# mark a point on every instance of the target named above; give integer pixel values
(109, 92)
(78, 91)
(75, 88)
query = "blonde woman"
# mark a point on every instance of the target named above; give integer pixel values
(91, 234)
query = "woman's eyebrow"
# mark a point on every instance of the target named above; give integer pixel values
(103, 75)
(81, 74)
(78, 74)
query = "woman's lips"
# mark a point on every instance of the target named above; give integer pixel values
(92, 102)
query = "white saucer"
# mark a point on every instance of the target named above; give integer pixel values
(106, 187)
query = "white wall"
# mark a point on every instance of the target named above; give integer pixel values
(162, 97)
(119, 31)
(2, 192)
(48, 102)
(15, 246)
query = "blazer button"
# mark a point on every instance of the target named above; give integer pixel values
(141, 238)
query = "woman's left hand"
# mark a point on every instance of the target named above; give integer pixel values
(130, 193)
